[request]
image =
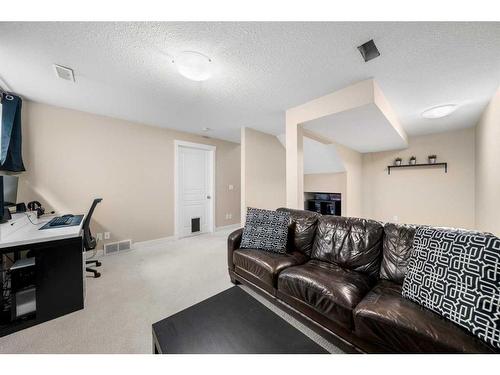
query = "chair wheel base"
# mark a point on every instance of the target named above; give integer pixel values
(96, 274)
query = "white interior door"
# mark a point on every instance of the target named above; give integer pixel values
(194, 190)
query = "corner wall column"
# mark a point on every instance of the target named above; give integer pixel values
(294, 164)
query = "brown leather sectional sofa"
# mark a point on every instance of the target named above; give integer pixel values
(343, 277)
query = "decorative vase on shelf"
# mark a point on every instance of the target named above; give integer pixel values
(397, 162)
(432, 159)
(413, 160)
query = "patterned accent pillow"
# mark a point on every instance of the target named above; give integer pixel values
(265, 230)
(457, 275)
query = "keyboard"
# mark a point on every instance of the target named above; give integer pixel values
(58, 221)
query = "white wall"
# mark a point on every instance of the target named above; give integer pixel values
(321, 158)
(318, 157)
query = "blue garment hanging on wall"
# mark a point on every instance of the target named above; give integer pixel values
(11, 158)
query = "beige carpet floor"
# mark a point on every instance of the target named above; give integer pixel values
(136, 289)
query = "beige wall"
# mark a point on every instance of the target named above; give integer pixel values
(353, 163)
(262, 170)
(356, 95)
(424, 195)
(487, 210)
(325, 183)
(72, 157)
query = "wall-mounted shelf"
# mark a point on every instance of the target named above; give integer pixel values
(445, 165)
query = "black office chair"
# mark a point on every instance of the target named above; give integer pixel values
(89, 242)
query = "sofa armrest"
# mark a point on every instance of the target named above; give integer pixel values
(233, 243)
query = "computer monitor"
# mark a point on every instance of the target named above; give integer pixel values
(8, 196)
(10, 190)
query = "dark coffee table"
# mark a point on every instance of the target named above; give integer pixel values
(230, 322)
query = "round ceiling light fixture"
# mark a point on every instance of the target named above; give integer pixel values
(193, 65)
(439, 111)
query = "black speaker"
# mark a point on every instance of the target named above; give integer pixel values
(21, 207)
(6, 215)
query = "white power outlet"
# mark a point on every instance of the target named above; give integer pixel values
(107, 235)
(231, 187)
(395, 218)
(229, 216)
(98, 236)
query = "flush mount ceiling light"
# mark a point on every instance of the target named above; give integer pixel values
(439, 111)
(193, 65)
(207, 129)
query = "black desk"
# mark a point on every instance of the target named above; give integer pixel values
(59, 276)
(231, 322)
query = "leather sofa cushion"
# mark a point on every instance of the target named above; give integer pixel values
(265, 266)
(351, 243)
(396, 249)
(233, 243)
(327, 288)
(399, 325)
(397, 246)
(301, 230)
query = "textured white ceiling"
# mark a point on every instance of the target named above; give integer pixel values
(364, 129)
(123, 69)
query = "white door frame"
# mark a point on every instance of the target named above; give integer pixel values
(200, 146)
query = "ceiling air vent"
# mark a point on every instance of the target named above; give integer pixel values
(369, 50)
(64, 73)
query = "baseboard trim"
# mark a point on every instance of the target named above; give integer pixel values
(89, 255)
(164, 240)
(155, 242)
(225, 227)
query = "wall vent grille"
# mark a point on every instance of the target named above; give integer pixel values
(117, 247)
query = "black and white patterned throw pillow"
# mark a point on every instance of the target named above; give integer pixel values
(265, 230)
(457, 275)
